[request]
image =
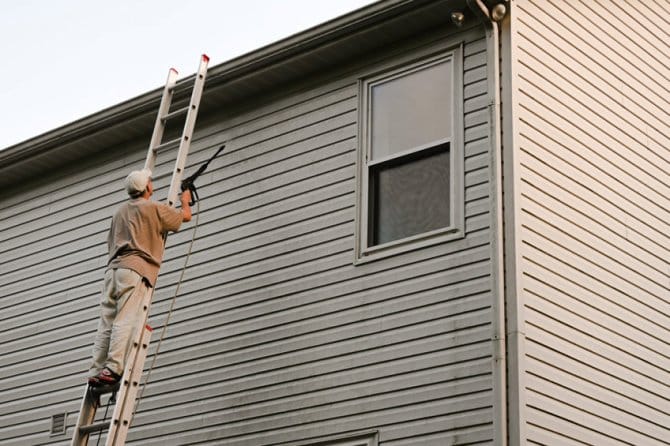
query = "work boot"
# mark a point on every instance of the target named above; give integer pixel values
(105, 378)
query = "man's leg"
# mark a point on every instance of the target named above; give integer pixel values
(131, 291)
(107, 314)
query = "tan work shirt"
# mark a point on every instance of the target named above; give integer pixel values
(135, 239)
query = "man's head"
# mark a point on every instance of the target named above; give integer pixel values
(138, 182)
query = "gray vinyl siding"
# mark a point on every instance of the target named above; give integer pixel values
(593, 199)
(277, 337)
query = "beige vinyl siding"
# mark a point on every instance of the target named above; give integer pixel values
(277, 337)
(593, 166)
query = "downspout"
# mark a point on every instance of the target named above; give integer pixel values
(490, 19)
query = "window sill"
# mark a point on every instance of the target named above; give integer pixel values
(408, 244)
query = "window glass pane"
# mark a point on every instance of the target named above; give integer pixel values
(409, 196)
(411, 110)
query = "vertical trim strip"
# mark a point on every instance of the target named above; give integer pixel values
(513, 301)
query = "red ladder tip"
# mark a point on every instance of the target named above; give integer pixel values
(148, 327)
(175, 70)
(205, 57)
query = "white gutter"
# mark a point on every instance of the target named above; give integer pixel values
(497, 241)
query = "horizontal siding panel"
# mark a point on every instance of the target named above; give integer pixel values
(308, 160)
(598, 147)
(581, 412)
(43, 199)
(588, 243)
(312, 391)
(545, 18)
(605, 403)
(244, 410)
(548, 427)
(251, 434)
(475, 47)
(570, 235)
(247, 330)
(360, 413)
(651, 294)
(598, 354)
(56, 222)
(297, 212)
(652, 362)
(237, 392)
(600, 284)
(277, 377)
(618, 227)
(474, 89)
(595, 98)
(93, 266)
(642, 50)
(266, 354)
(392, 271)
(601, 309)
(340, 295)
(607, 379)
(468, 343)
(598, 193)
(600, 75)
(549, 186)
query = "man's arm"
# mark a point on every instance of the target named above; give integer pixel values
(185, 199)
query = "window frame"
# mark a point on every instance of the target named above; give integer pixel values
(364, 252)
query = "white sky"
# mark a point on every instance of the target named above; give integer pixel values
(62, 60)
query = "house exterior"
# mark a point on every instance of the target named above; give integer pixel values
(435, 222)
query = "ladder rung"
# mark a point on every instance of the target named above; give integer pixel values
(94, 427)
(167, 144)
(177, 112)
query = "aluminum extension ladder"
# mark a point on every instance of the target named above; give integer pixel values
(124, 394)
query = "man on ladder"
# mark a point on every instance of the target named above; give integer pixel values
(135, 244)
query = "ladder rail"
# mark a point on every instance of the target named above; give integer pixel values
(123, 410)
(189, 126)
(86, 417)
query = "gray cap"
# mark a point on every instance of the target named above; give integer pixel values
(136, 182)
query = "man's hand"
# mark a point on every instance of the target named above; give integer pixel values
(185, 199)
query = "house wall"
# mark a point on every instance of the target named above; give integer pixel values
(588, 179)
(277, 337)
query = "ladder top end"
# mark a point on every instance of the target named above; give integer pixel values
(174, 70)
(205, 57)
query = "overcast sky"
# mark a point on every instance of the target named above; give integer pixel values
(63, 60)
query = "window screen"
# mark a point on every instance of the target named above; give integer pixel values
(409, 195)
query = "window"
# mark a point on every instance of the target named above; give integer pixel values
(411, 163)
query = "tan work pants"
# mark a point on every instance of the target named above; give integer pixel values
(121, 308)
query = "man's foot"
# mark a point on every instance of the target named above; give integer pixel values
(105, 378)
